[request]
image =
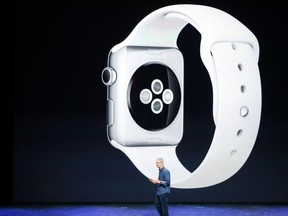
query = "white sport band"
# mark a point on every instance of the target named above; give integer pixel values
(230, 52)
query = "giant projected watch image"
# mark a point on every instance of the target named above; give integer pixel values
(145, 93)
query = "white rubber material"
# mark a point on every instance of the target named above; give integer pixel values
(230, 53)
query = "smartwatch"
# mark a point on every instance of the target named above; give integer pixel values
(145, 93)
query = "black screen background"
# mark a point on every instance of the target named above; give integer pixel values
(54, 146)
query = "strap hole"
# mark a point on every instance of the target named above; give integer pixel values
(242, 88)
(239, 132)
(240, 67)
(233, 152)
(244, 111)
(234, 46)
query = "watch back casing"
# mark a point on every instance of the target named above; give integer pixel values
(130, 123)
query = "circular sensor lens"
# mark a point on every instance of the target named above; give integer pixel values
(145, 96)
(156, 106)
(167, 96)
(157, 86)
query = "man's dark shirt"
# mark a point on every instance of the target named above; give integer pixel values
(164, 177)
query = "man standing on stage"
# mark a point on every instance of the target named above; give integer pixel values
(163, 188)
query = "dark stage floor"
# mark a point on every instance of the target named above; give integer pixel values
(143, 210)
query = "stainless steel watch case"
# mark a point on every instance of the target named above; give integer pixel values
(122, 64)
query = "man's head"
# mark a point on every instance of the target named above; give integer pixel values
(159, 163)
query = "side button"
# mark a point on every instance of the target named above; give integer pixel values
(110, 112)
(108, 76)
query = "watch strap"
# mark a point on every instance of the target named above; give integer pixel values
(230, 52)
